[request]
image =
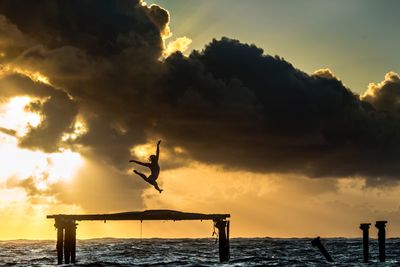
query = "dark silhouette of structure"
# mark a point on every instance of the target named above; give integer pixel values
(66, 240)
(223, 237)
(154, 168)
(66, 228)
(365, 228)
(316, 242)
(381, 239)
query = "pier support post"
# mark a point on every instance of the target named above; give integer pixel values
(228, 226)
(73, 242)
(60, 241)
(365, 228)
(223, 240)
(70, 242)
(66, 241)
(381, 239)
(67, 244)
(316, 242)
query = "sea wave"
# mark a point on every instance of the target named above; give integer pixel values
(199, 252)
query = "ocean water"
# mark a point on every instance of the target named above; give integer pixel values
(198, 252)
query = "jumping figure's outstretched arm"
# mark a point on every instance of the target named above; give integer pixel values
(158, 150)
(140, 163)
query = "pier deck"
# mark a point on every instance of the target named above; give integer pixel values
(66, 227)
(147, 215)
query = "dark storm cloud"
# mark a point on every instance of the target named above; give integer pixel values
(229, 104)
(101, 27)
(233, 105)
(56, 107)
(104, 53)
(13, 41)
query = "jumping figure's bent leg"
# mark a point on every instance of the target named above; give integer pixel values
(142, 175)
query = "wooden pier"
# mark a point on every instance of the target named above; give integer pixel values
(66, 227)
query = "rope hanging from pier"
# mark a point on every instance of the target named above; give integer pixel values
(215, 233)
(141, 230)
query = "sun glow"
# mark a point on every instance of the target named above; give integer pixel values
(34, 171)
(80, 128)
(16, 118)
(63, 165)
(42, 167)
(180, 44)
(142, 151)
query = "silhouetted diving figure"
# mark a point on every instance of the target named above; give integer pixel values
(154, 168)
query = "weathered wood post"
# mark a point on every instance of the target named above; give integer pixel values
(365, 228)
(67, 242)
(381, 239)
(316, 242)
(228, 226)
(60, 240)
(73, 242)
(70, 241)
(223, 240)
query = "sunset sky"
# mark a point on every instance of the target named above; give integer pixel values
(285, 114)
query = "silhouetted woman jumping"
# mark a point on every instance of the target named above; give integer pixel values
(154, 168)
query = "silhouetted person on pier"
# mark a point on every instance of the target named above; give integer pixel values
(154, 168)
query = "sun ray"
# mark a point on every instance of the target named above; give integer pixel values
(32, 170)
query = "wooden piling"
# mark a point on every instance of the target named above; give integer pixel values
(365, 228)
(316, 242)
(67, 243)
(60, 241)
(228, 226)
(73, 242)
(223, 240)
(381, 239)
